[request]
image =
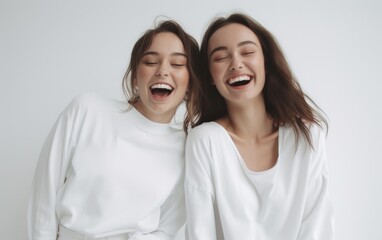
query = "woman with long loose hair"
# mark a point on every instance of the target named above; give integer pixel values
(115, 170)
(255, 164)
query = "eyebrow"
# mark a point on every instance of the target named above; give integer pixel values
(172, 54)
(225, 48)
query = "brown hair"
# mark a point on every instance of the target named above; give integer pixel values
(192, 51)
(284, 99)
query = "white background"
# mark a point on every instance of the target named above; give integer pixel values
(54, 50)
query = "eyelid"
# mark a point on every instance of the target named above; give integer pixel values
(179, 64)
(179, 60)
(218, 57)
(148, 62)
(251, 48)
(248, 52)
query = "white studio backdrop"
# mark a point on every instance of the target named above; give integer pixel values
(51, 51)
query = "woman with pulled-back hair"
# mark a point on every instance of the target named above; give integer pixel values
(115, 170)
(255, 163)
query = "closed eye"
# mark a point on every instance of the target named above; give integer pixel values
(149, 63)
(220, 58)
(178, 65)
(248, 53)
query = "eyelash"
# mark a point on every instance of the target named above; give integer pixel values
(248, 53)
(219, 59)
(149, 63)
(176, 65)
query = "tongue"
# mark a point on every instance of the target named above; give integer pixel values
(161, 92)
(240, 83)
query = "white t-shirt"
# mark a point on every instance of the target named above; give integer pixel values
(290, 201)
(105, 170)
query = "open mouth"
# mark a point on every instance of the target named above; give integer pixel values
(239, 81)
(161, 89)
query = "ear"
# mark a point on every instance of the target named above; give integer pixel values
(186, 95)
(135, 86)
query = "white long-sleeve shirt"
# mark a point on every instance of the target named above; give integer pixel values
(105, 171)
(290, 201)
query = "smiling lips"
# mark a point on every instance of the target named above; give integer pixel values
(239, 81)
(161, 90)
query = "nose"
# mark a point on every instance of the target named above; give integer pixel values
(162, 71)
(236, 63)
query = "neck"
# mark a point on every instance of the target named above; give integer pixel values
(249, 121)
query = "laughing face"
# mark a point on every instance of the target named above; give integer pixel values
(162, 78)
(236, 63)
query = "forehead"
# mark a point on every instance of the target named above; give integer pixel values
(231, 35)
(166, 42)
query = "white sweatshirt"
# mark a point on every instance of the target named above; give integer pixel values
(104, 171)
(290, 201)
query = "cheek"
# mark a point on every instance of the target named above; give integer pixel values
(144, 73)
(256, 65)
(260, 63)
(216, 70)
(182, 77)
(140, 74)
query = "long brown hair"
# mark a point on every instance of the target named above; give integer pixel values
(284, 99)
(191, 48)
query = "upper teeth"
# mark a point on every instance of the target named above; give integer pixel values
(239, 78)
(161, 86)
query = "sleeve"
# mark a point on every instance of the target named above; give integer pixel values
(48, 178)
(318, 217)
(199, 190)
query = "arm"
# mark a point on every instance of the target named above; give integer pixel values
(318, 220)
(49, 177)
(199, 190)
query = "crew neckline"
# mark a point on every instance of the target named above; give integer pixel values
(148, 125)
